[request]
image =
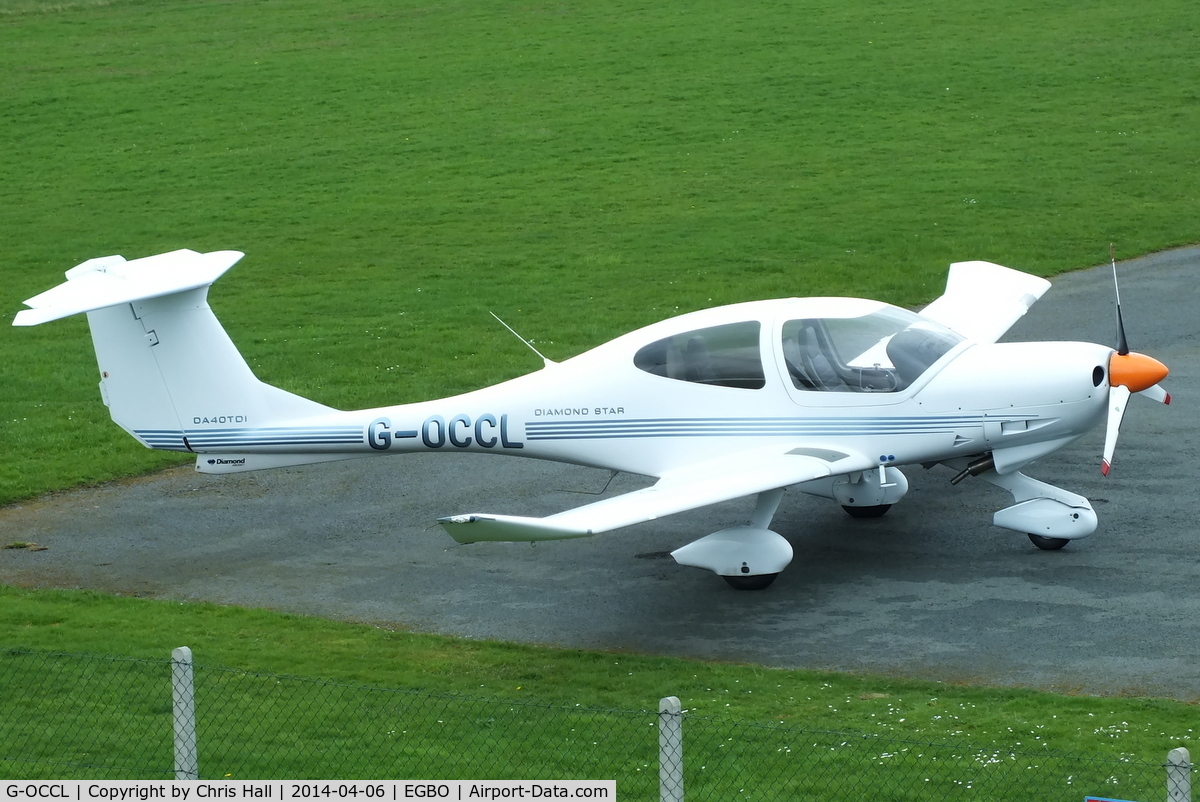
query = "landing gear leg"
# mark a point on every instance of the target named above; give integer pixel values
(1050, 515)
(764, 511)
(765, 508)
(747, 557)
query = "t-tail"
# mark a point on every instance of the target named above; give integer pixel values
(167, 367)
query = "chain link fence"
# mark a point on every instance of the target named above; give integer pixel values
(71, 716)
(734, 759)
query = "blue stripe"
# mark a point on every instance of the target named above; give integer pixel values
(791, 419)
(198, 442)
(281, 429)
(164, 439)
(172, 439)
(735, 427)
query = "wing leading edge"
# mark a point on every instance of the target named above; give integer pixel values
(677, 491)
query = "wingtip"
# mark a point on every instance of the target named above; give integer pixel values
(1105, 466)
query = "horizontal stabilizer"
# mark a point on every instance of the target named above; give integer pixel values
(111, 280)
(983, 300)
(709, 483)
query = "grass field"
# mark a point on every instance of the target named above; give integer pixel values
(263, 641)
(579, 168)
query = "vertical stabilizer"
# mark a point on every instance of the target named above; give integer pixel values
(166, 364)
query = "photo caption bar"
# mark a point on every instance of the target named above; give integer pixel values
(283, 790)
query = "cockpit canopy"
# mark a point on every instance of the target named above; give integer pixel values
(727, 356)
(881, 351)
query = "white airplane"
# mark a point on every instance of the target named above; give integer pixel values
(831, 396)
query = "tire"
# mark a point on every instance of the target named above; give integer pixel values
(756, 582)
(867, 512)
(1048, 543)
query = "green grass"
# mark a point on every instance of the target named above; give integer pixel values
(395, 170)
(264, 641)
(581, 169)
(78, 716)
(500, 711)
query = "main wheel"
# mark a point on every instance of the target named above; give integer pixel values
(867, 512)
(756, 582)
(1048, 543)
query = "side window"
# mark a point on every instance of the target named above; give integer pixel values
(726, 356)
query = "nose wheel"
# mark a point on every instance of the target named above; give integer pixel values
(1048, 543)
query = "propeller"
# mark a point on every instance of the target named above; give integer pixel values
(1118, 396)
(1128, 373)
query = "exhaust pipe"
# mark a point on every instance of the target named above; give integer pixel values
(981, 465)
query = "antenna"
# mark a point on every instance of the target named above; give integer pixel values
(1122, 343)
(611, 475)
(522, 339)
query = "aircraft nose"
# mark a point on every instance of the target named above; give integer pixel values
(1135, 371)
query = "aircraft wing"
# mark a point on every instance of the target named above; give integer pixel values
(722, 479)
(983, 300)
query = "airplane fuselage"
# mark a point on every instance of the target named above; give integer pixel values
(601, 409)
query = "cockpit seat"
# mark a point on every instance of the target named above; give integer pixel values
(697, 362)
(810, 368)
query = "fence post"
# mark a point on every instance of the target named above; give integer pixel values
(183, 706)
(1179, 776)
(670, 749)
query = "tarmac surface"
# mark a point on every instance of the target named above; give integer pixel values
(932, 590)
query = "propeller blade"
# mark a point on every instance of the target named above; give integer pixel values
(1122, 343)
(1157, 393)
(1118, 395)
